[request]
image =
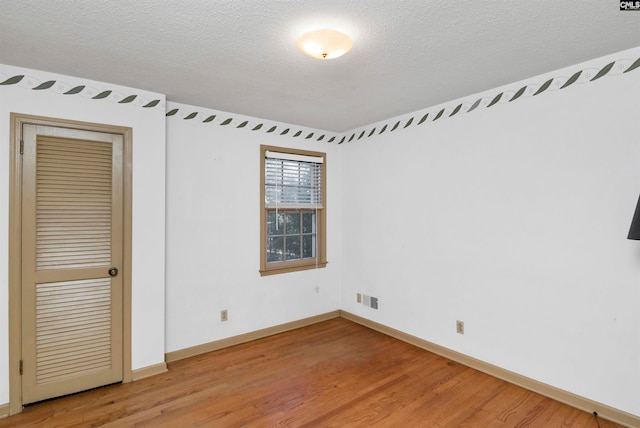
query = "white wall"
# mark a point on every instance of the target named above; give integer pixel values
(514, 220)
(213, 230)
(148, 193)
(511, 218)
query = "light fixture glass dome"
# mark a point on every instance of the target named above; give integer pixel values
(325, 44)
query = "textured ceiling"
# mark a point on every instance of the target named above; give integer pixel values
(240, 55)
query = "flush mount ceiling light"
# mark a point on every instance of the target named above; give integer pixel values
(324, 44)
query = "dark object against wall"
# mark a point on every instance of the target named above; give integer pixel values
(634, 231)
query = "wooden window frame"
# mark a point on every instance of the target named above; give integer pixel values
(320, 261)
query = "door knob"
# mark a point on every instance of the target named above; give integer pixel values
(113, 271)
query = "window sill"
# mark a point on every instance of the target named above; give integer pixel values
(290, 268)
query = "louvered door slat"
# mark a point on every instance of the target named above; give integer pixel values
(71, 181)
(64, 344)
(58, 321)
(60, 184)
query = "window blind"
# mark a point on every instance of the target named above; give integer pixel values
(292, 181)
(290, 156)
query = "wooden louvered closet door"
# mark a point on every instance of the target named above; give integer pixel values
(71, 236)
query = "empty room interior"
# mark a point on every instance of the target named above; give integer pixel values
(178, 178)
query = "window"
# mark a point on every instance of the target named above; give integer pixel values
(292, 210)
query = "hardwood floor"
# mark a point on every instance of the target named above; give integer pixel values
(332, 374)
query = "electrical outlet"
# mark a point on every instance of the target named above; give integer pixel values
(460, 327)
(224, 315)
(359, 298)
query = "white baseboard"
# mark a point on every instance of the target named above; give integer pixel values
(247, 337)
(149, 371)
(4, 410)
(604, 411)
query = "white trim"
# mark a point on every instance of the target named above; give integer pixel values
(280, 206)
(293, 157)
(248, 337)
(149, 371)
(604, 411)
(4, 410)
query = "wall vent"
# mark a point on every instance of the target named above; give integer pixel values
(369, 301)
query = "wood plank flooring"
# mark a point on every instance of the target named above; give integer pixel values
(332, 374)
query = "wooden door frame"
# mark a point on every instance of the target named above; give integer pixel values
(15, 243)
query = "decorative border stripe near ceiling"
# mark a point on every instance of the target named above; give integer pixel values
(87, 92)
(614, 68)
(587, 75)
(255, 125)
